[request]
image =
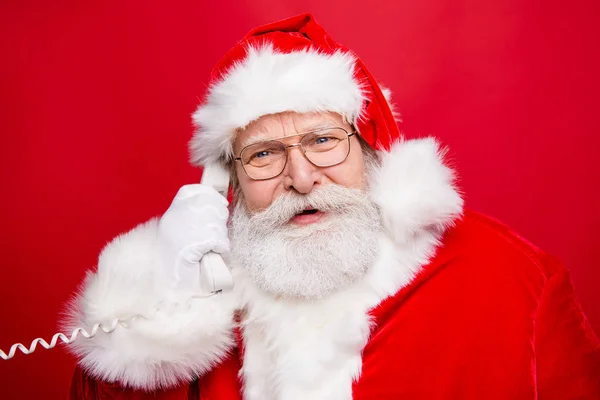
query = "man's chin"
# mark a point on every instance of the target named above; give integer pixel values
(309, 262)
(312, 286)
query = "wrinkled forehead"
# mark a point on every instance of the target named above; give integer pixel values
(275, 126)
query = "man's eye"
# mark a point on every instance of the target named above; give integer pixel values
(325, 141)
(261, 154)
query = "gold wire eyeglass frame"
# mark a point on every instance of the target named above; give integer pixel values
(299, 145)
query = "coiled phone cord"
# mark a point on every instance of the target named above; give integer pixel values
(124, 322)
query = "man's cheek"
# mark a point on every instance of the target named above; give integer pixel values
(258, 201)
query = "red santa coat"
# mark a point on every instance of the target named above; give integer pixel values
(490, 316)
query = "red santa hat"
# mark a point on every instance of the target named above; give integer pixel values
(290, 65)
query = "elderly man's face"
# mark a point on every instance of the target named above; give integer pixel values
(299, 174)
(310, 230)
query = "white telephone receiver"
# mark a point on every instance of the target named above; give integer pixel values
(214, 274)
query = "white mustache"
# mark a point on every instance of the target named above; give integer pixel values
(328, 198)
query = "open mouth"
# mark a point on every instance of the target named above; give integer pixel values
(309, 211)
(308, 216)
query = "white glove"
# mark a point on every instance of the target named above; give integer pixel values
(194, 224)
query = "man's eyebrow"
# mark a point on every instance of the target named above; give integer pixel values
(318, 126)
(264, 137)
(256, 139)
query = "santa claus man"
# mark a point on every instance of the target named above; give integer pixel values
(358, 274)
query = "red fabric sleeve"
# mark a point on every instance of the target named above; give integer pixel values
(567, 350)
(84, 387)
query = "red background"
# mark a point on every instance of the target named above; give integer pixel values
(95, 103)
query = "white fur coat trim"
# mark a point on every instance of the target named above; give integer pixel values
(418, 200)
(269, 82)
(175, 343)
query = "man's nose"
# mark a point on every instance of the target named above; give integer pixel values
(300, 174)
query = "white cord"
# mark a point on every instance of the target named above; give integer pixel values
(124, 322)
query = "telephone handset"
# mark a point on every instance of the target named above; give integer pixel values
(214, 274)
(214, 278)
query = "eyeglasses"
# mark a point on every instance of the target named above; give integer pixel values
(322, 148)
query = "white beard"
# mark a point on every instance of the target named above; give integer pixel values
(311, 261)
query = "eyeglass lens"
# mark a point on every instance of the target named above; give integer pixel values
(323, 148)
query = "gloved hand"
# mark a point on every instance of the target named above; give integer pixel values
(194, 224)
